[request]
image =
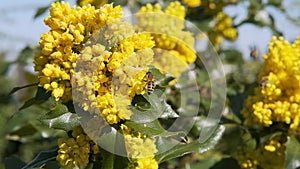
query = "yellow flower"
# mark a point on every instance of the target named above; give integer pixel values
(136, 144)
(211, 8)
(176, 9)
(150, 8)
(70, 27)
(230, 33)
(96, 3)
(277, 99)
(169, 61)
(105, 81)
(146, 163)
(192, 3)
(268, 155)
(74, 152)
(174, 48)
(223, 28)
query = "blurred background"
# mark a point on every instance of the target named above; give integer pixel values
(20, 30)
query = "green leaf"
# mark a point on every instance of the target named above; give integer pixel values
(52, 165)
(233, 137)
(203, 164)
(165, 152)
(226, 163)
(26, 54)
(233, 56)
(152, 107)
(162, 79)
(13, 162)
(152, 128)
(156, 72)
(107, 140)
(61, 118)
(26, 130)
(41, 96)
(121, 162)
(203, 24)
(159, 106)
(108, 160)
(65, 122)
(142, 116)
(40, 11)
(112, 140)
(89, 166)
(292, 153)
(165, 81)
(56, 111)
(42, 158)
(168, 112)
(22, 87)
(4, 65)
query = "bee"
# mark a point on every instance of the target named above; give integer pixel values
(150, 82)
(253, 52)
(264, 82)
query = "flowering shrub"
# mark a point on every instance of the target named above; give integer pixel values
(150, 90)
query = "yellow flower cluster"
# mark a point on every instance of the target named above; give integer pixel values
(270, 155)
(209, 7)
(96, 3)
(107, 80)
(192, 3)
(90, 40)
(166, 27)
(278, 97)
(74, 152)
(140, 149)
(146, 163)
(246, 158)
(222, 28)
(70, 27)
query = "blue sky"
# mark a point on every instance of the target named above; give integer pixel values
(18, 28)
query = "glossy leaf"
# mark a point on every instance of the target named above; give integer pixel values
(121, 162)
(13, 162)
(156, 73)
(152, 107)
(113, 141)
(41, 96)
(203, 164)
(292, 153)
(233, 137)
(22, 87)
(168, 112)
(26, 130)
(52, 165)
(4, 65)
(61, 118)
(25, 55)
(182, 149)
(42, 158)
(56, 111)
(226, 163)
(108, 160)
(41, 11)
(152, 129)
(159, 105)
